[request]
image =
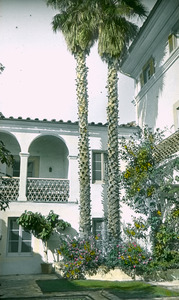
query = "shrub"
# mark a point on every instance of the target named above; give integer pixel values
(42, 227)
(80, 257)
(129, 256)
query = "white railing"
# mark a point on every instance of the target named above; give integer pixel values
(47, 190)
(9, 188)
(38, 189)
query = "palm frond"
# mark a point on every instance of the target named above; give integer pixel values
(135, 7)
(60, 4)
(77, 23)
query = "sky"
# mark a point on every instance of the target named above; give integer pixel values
(39, 76)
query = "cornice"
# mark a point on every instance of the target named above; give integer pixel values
(151, 33)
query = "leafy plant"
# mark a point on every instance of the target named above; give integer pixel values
(129, 257)
(5, 158)
(80, 256)
(148, 182)
(137, 230)
(42, 227)
(167, 240)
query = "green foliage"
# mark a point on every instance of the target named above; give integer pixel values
(41, 226)
(80, 257)
(115, 30)
(5, 158)
(137, 230)
(128, 256)
(166, 248)
(148, 183)
(77, 22)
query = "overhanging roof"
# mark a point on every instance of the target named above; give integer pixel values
(146, 41)
(167, 147)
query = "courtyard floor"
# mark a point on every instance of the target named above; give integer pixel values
(25, 287)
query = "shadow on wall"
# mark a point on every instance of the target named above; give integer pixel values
(54, 241)
(147, 107)
(15, 263)
(27, 263)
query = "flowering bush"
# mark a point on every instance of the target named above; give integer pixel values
(137, 230)
(129, 257)
(80, 256)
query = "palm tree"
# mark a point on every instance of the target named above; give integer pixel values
(75, 21)
(115, 31)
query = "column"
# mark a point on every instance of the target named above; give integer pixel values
(23, 176)
(73, 178)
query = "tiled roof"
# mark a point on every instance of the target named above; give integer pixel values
(167, 147)
(2, 117)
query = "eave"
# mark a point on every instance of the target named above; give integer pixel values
(167, 147)
(152, 30)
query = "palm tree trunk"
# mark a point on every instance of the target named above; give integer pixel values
(84, 167)
(113, 159)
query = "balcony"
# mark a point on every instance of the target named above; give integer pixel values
(37, 189)
(9, 188)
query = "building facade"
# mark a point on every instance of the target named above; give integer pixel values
(45, 177)
(153, 63)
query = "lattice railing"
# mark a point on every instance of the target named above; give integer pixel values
(9, 188)
(47, 190)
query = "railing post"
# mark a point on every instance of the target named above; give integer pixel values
(73, 182)
(23, 176)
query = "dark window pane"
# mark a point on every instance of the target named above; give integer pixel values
(26, 246)
(97, 156)
(16, 169)
(13, 247)
(26, 235)
(13, 224)
(98, 225)
(97, 166)
(14, 235)
(97, 175)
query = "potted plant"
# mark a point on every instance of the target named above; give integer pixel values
(42, 227)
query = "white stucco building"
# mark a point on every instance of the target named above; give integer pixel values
(153, 63)
(44, 178)
(45, 174)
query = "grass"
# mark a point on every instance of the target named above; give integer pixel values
(125, 290)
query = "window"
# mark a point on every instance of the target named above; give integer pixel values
(33, 166)
(99, 166)
(98, 229)
(147, 72)
(173, 37)
(16, 168)
(172, 42)
(19, 240)
(30, 169)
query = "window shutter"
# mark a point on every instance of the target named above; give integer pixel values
(170, 42)
(152, 70)
(142, 79)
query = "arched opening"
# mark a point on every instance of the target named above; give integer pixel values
(48, 158)
(47, 170)
(12, 145)
(9, 175)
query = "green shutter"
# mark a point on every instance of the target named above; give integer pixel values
(142, 79)
(152, 69)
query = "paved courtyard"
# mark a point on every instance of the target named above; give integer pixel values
(24, 287)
